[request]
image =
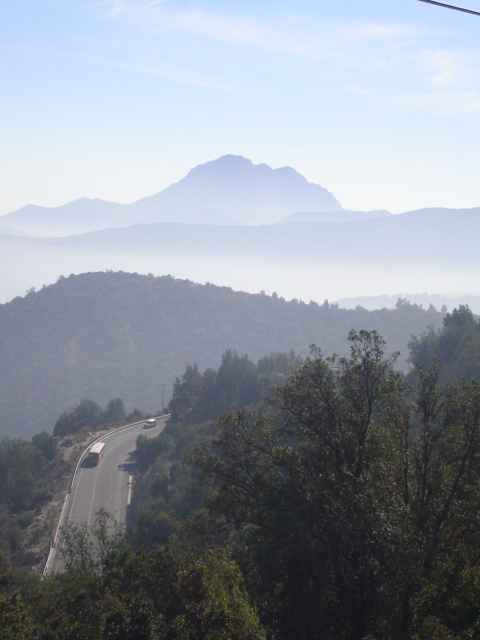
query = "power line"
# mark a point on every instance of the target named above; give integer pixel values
(451, 6)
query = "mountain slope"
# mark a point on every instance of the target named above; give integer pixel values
(107, 335)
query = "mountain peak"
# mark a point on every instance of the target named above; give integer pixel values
(231, 160)
(239, 164)
(224, 164)
(233, 189)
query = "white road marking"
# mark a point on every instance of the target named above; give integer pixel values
(129, 496)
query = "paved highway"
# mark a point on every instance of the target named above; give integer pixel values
(106, 485)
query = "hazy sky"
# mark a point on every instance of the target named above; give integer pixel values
(378, 101)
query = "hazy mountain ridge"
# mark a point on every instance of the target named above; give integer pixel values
(212, 234)
(436, 212)
(451, 238)
(107, 335)
(431, 251)
(80, 216)
(450, 235)
(344, 215)
(229, 190)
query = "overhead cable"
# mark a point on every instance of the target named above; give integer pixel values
(451, 6)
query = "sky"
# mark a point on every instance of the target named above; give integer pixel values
(378, 101)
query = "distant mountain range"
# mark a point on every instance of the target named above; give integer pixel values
(420, 238)
(250, 227)
(426, 251)
(334, 216)
(230, 190)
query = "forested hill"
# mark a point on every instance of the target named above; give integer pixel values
(107, 335)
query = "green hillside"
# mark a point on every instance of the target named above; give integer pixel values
(118, 335)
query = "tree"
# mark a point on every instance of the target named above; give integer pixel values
(85, 550)
(456, 347)
(352, 500)
(115, 412)
(185, 393)
(85, 414)
(46, 444)
(15, 623)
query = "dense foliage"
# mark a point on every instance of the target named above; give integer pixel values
(357, 506)
(344, 507)
(238, 382)
(28, 472)
(352, 501)
(456, 346)
(108, 335)
(171, 593)
(167, 491)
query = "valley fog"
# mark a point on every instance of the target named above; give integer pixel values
(25, 268)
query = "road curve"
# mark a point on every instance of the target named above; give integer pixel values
(106, 486)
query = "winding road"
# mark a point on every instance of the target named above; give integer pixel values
(106, 486)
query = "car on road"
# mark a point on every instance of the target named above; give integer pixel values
(150, 423)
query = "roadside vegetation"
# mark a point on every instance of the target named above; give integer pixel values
(334, 497)
(90, 415)
(29, 474)
(34, 476)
